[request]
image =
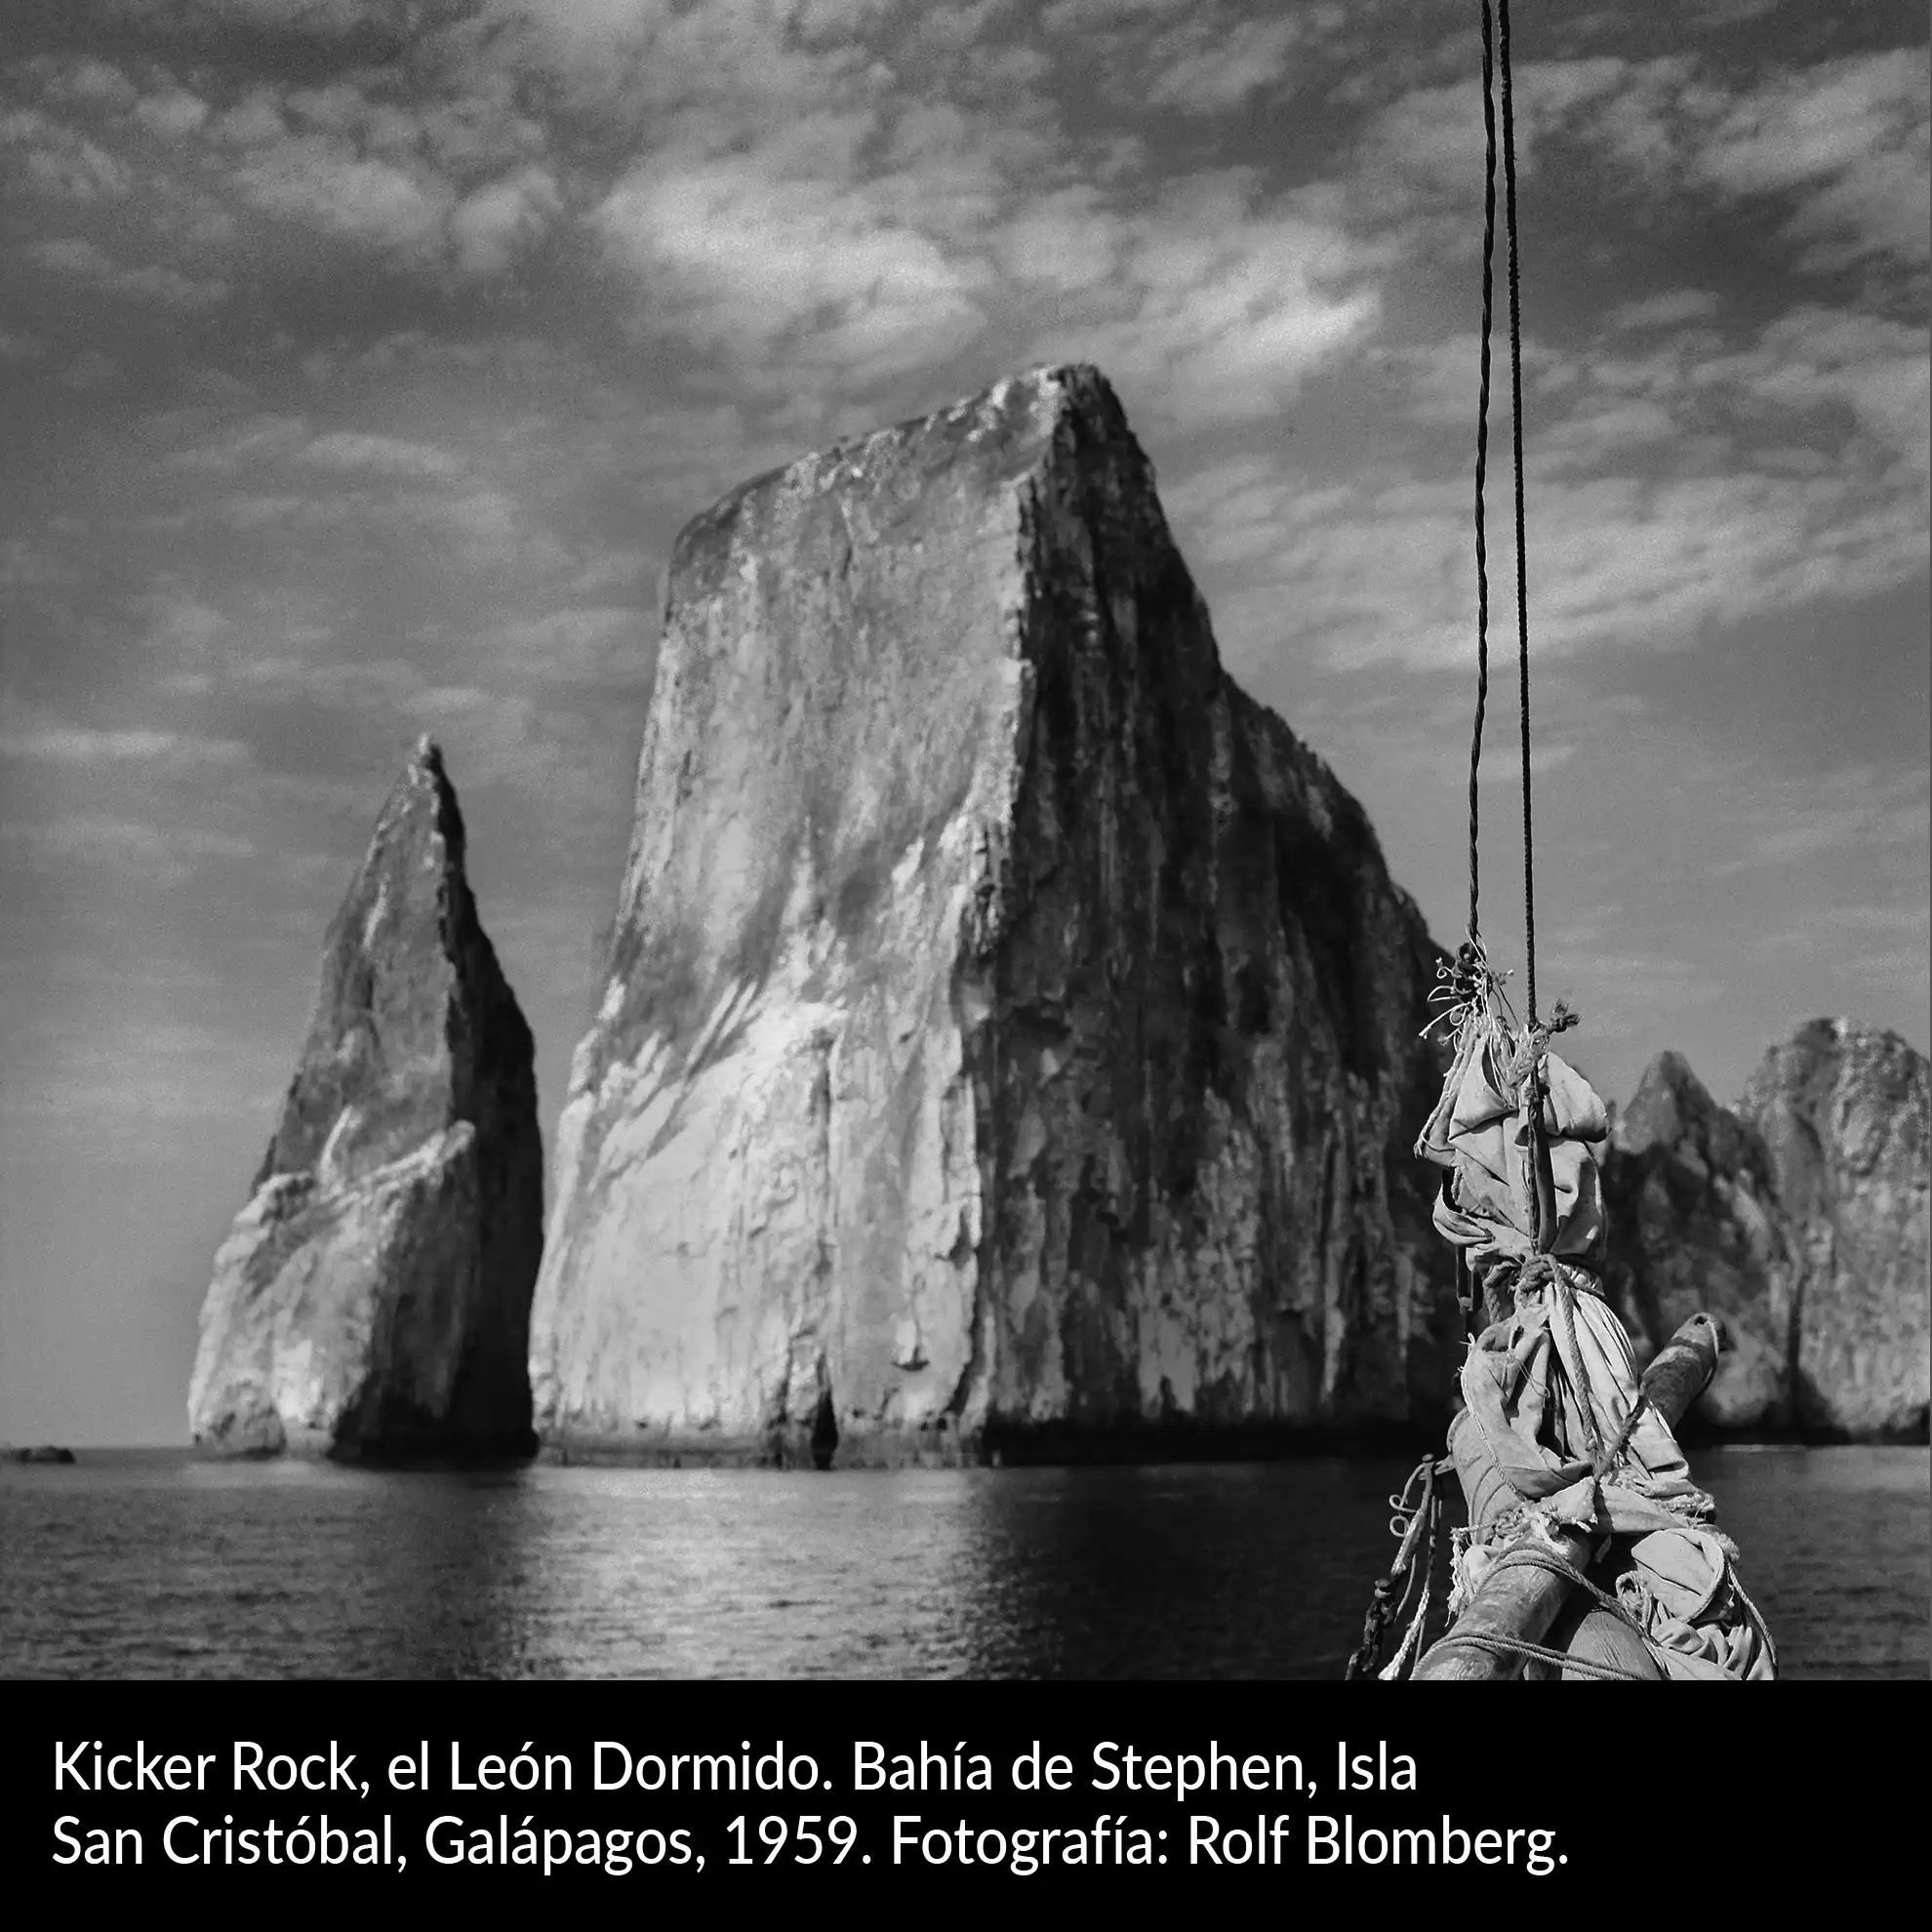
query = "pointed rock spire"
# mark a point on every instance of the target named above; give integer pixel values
(373, 1297)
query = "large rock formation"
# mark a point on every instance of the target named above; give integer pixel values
(1010, 1031)
(373, 1298)
(1843, 1115)
(1800, 1220)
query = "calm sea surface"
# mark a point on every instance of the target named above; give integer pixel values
(152, 1564)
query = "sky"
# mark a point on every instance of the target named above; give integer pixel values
(359, 360)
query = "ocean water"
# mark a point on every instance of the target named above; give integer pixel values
(156, 1564)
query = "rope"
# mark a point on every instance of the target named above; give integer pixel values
(1561, 1293)
(1523, 555)
(1403, 1661)
(1495, 58)
(1363, 1658)
(1534, 1557)
(1612, 1450)
(1755, 1614)
(1390, 1593)
(1482, 449)
(1583, 1666)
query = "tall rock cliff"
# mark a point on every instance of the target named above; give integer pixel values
(1801, 1219)
(373, 1298)
(1009, 1036)
(1843, 1115)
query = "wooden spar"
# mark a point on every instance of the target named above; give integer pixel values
(1522, 1602)
(1683, 1368)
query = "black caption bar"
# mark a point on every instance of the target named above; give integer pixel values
(721, 1787)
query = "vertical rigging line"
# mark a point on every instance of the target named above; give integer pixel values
(1482, 448)
(1522, 559)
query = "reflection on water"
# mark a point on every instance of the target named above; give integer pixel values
(154, 1564)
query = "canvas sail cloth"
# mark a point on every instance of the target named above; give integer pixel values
(1551, 1387)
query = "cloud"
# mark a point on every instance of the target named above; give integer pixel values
(84, 83)
(161, 854)
(1846, 140)
(1199, 58)
(588, 32)
(59, 160)
(322, 20)
(1209, 72)
(745, 254)
(1856, 809)
(350, 453)
(791, 257)
(491, 528)
(1618, 560)
(360, 198)
(1841, 142)
(261, 438)
(827, 216)
(1878, 370)
(28, 567)
(1676, 483)
(1864, 941)
(171, 111)
(86, 262)
(598, 644)
(89, 370)
(195, 648)
(339, 498)
(434, 167)
(1664, 311)
(491, 227)
(1417, 160)
(1507, 771)
(181, 623)
(1216, 307)
(87, 746)
(400, 203)
(120, 1068)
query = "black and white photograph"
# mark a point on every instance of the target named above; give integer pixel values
(962, 839)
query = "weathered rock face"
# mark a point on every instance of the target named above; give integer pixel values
(1801, 1219)
(1843, 1115)
(373, 1299)
(1010, 1028)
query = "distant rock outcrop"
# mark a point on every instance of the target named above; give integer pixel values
(1694, 1225)
(1010, 1031)
(1801, 1219)
(1843, 1114)
(373, 1298)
